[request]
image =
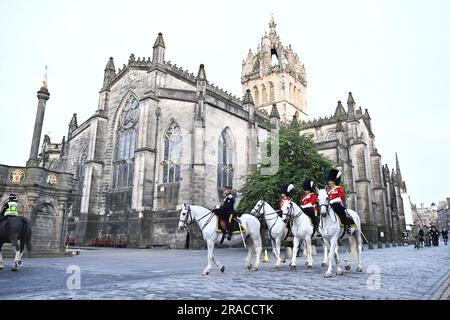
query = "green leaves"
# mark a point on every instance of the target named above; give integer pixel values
(298, 159)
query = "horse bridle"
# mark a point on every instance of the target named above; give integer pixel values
(189, 215)
(258, 211)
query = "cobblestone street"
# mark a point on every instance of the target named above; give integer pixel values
(404, 273)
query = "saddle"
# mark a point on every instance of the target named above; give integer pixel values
(351, 223)
(234, 226)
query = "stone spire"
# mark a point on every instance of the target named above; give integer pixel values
(272, 25)
(294, 121)
(397, 168)
(201, 73)
(158, 49)
(73, 124)
(248, 99)
(340, 111)
(43, 95)
(110, 72)
(274, 112)
(350, 104)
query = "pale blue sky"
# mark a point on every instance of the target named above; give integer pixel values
(393, 55)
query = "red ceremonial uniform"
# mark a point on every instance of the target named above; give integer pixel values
(336, 194)
(280, 204)
(309, 200)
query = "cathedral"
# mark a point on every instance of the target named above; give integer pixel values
(162, 136)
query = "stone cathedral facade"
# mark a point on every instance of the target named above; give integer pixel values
(162, 136)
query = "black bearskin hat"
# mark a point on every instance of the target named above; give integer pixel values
(308, 185)
(334, 175)
(286, 188)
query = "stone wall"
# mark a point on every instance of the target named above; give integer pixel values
(45, 197)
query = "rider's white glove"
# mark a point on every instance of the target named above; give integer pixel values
(216, 206)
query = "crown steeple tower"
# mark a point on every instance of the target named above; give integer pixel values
(275, 75)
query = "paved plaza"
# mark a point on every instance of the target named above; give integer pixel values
(389, 273)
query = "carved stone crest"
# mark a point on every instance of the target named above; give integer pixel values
(17, 176)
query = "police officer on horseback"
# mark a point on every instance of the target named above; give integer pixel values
(226, 212)
(10, 208)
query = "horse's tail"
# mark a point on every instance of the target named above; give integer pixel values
(26, 234)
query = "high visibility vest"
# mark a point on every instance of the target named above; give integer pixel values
(12, 209)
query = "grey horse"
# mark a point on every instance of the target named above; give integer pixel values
(17, 231)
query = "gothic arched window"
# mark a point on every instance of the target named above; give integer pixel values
(263, 94)
(172, 153)
(256, 95)
(123, 163)
(295, 99)
(331, 135)
(225, 160)
(271, 93)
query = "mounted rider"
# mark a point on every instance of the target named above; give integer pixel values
(336, 196)
(226, 212)
(284, 190)
(309, 201)
(10, 208)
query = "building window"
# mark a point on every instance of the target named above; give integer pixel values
(82, 170)
(331, 135)
(172, 153)
(271, 93)
(123, 162)
(263, 94)
(256, 95)
(225, 160)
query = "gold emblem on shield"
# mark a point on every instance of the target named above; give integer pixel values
(52, 180)
(17, 176)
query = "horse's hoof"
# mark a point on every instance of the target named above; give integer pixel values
(14, 269)
(293, 267)
(324, 264)
(309, 266)
(359, 269)
(327, 275)
(255, 269)
(348, 267)
(276, 267)
(249, 267)
(19, 263)
(222, 269)
(205, 273)
(339, 272)
(283, 261)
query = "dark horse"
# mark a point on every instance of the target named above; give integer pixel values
(17, 231)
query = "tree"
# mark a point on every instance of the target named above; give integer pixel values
(298, 160)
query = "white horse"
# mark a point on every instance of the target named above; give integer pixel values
(303, 233)
(276, 228)
(331, 232)
(207, 222)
